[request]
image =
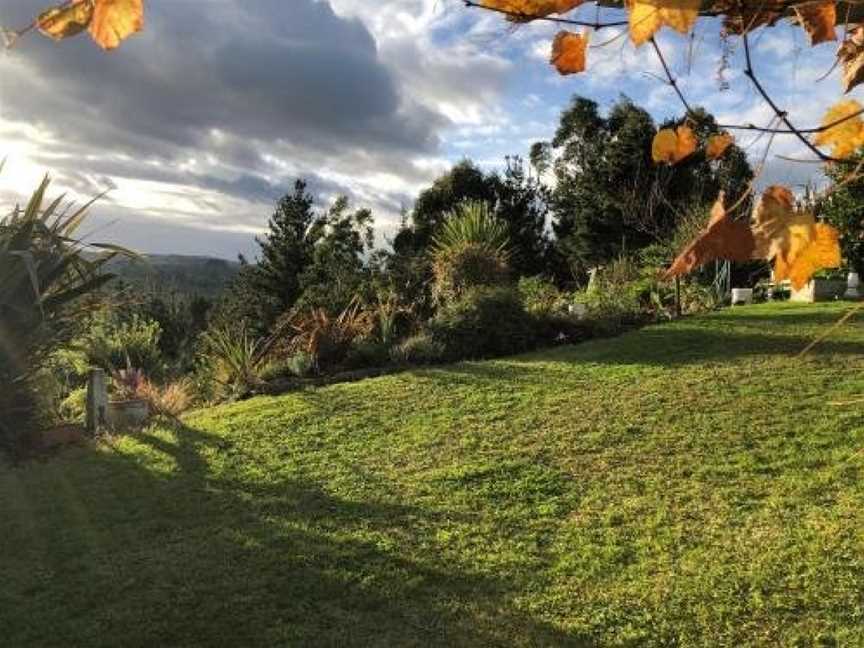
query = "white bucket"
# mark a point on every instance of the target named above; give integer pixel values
(741, 296)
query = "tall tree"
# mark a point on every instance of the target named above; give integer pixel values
(610, 197)
(521, 201)
(337, 271)
(286, 250)
(516, 197)
(308, 258)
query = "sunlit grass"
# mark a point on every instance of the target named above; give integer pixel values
(689, 484)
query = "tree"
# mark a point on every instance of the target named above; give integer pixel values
(337, 271)
(308, 259)
(272, 286)
(522, 204)
(462, 183)
(844, 209)
(611, 198)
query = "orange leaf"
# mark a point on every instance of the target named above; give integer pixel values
(115, 20)
(648, 16)
(718, 145)
(798, 244)
(672, 146)
(568, 52)
(822, 251)
(818, 19)
(723, 238)
(66, 20)
(773, 215)
(846, 137)
(527, 10)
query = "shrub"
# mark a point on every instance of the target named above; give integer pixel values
(237, 358)
(485, 322)
(170, 400)
(44, 281)
(418, 349)
(618, 295)
(541, 297)
(325, 338)
(298, 365)
(469, 251)
(562, 328)
(112, 344)
(367, 353)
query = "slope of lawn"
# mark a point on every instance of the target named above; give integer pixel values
(688, 484)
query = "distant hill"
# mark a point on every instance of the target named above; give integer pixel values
(192, 275)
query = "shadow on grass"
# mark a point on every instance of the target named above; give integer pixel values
(196, 547)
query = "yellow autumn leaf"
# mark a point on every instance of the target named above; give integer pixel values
(648, 16)
(798, 244)
(66, 20)
(672, 146)
(525, 10)
(568, 52)
(822, 251)
(846, 137)
(773, 215)
(115, 20)
(718, 145)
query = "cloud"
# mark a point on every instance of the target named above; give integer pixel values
(226, 102)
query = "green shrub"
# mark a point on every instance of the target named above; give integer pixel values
(418, 349)
(469, 251)
(297, 365)
(113, 344)
(367, 353)
(541, 297)
(562, 328)
(45, 280)
(236, 357)
(485, 322)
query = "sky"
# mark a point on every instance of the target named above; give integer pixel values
(195, 126)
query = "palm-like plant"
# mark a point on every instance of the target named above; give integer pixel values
(44, 276)
(473, 223)
(471, 249)
(239, 357)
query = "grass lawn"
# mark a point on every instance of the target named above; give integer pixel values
(688, 484)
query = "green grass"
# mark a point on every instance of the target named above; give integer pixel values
(689, 484)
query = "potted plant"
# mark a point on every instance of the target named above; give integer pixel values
(127, 409)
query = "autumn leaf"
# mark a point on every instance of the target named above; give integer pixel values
(822, 251)
(66, 20)
(568, 52)
(648, 16)
(850, 56)
(527, 10)
(818, 19)
(723, 238)
(798, 244)
(773, 214)
(672, 146)
(718, 145)
(846, 137)
(109, 21)
(115, 20)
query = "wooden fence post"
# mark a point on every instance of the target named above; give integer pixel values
(97, 401)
